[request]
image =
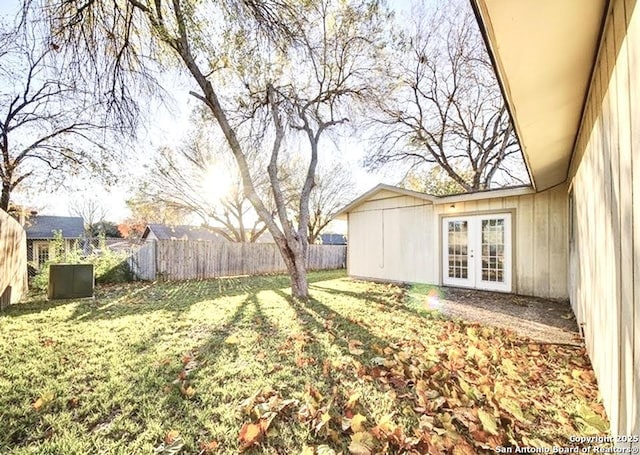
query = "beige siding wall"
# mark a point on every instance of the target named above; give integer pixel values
(398, 238)
(392, 238)
(539, 226)
(605, 245)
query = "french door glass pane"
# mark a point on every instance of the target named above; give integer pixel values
(493, 250)
(457, 232)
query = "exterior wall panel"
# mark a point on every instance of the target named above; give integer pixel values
(393, 239)
(604, 251)
(399, 239)
(540, 237)
(631, 312)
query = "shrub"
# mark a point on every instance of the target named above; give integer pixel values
(108, 266)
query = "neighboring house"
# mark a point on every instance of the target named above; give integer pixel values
(333, 239)
(265, 237)
(570, 74)
(40, 229)
(180, 232)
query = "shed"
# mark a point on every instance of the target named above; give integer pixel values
(507, 240)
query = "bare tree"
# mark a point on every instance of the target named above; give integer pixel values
(47, 122)
(334, 188)
(443, 106)
(183, 179)
(305, 87)
(434, 180)
(92, 213)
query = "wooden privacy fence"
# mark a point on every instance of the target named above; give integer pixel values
(13, 260)
(188, 259)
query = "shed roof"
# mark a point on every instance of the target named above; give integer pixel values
(544, 52)
(333, 239)
(477, 195)
(379, 189)
(43, 226)
(182, 232)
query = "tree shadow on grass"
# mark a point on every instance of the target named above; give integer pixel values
(315, 314)
(386, 302)
(175, 297)
(36, 304)
(114, 301)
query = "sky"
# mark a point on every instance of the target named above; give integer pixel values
(170, 123)
(167, 127)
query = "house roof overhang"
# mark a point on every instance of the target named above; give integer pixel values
(544, 52)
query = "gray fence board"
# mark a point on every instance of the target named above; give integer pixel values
(188, 259)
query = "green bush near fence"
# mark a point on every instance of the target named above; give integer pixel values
(109, 266)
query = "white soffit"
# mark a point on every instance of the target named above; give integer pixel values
(544, 52)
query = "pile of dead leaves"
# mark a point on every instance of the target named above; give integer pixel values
(472, 389)
(263, 407)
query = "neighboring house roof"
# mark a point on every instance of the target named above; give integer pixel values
(383, 191)
(181, 232)
(265, 237)
(333, 239)
(543, 53)
(43, 226)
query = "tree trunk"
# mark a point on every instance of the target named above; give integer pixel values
(295, 261)
(4, 198)
(299, 283)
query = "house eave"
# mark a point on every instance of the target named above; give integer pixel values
(544, 52)
(489, 194)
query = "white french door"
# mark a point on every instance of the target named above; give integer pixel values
(477, 251)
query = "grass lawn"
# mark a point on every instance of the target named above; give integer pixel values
(222, 366)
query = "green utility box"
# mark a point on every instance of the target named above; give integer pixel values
(70, 281)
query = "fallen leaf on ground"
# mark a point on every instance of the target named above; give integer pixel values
(250, 434)
(208, 446)
(357, 423)
(232, 339)
(362, 443)
(355, 347)
(43, 400)
(171, 436)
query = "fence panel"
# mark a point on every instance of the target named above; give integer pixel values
(142, 261)
(187, 259)
(322, 257)
(13, 260)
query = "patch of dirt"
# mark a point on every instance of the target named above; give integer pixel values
(548, 321)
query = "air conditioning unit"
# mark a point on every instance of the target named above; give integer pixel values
(70, 281)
